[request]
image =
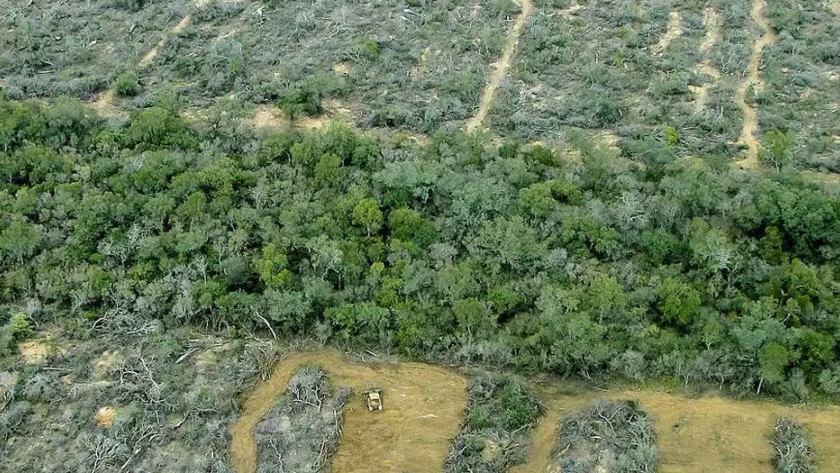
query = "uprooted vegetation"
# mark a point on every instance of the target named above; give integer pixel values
(610, 436)
(792, 450)
(301, 432)
(502, 410)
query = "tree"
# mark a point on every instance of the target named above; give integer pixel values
(19, 241)
(678, 302)
(773, 360)
(272, 267)
(366, 214)
(775, 149)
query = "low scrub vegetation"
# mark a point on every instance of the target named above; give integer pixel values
(801, 95)
(610, 436)
(792, 451)
(501, 412)
(594, 67)
(301, 432)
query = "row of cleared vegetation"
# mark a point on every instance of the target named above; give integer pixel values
(792, 450)
(495, 434)
(632, 68)
(301, 432)
(799, 102)
(609, 436)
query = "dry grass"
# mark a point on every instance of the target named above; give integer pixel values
(35, 352)
(424, 405)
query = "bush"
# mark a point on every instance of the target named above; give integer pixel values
(19, 326)
(126, 85)
(792, 451)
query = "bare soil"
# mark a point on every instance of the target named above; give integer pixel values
(708, 434)
(673, 31)
(105, 107)
(501, 67)
(147, 59)
(711, 21)
(753, 80)
(105, 417)
(424, 405)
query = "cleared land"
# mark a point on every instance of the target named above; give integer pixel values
(708, 434)
(423, 409)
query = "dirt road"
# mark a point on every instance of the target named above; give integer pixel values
(501, 67)
(753, 80)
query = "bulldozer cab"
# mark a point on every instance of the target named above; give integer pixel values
(373, 397)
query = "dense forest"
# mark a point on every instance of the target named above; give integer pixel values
(586, 261)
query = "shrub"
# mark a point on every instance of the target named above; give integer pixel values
(126, 85)
(19, 326)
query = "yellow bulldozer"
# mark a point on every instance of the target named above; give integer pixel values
(373, 398)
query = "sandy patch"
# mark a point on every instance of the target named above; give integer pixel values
(105, 362)
(105, 417)
(342, 68)
(711, 21)
(104, 106)
(569, 13)
(150, 56)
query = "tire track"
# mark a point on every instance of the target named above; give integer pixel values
(501, 67)
(753, 80)
(147, 59)
(672, 32)
(711, 21)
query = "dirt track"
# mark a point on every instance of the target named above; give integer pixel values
(711, 21)
(501, 67)
(753, 80)
(424, 405)
(673, 31)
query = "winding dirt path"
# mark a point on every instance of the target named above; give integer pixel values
(711, 21)
(424, 405)
(501, 66)
(753, 80)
